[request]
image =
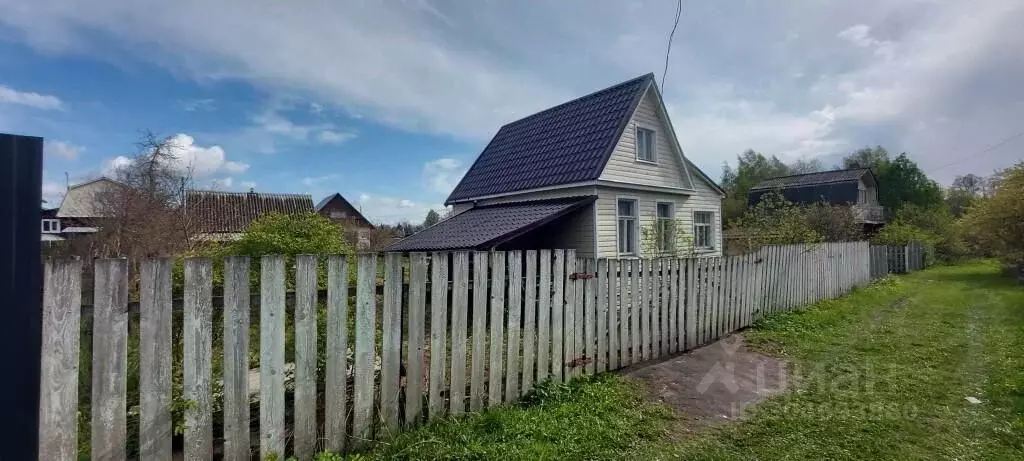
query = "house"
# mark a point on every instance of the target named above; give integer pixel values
(224, 216)
(82, 212)
(603, 174)
(348, 217)
(856, 187)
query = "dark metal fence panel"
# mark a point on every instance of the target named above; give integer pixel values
(21, 169)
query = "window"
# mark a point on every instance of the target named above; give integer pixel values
(645, 145)
(51, 226)
(703, 230)
(627, 227)
(863, 198)
(664, 227)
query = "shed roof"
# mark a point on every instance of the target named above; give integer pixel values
(216, 212)
(811, 179)
(565, 144)
(487, 226)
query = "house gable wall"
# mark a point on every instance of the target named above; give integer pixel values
(667, 171)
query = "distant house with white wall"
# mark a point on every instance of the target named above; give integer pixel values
(603, 174)
(81, 212)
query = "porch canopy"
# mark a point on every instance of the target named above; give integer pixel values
(487, 227)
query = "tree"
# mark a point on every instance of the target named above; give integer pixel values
(431, 219)
(291, 235)
(965, 192)
(995, 226)
(876, 158)
(802, 166)
(751, 168)
(902, 182)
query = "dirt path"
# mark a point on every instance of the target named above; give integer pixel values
(713, 384)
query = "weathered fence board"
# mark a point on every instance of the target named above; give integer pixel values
(304, 414)
(155, 429)
(416, 337)
(544, 317)
(460, 312)
(336, 380)
(479, 352)
(529, 321)
(603, 332)
(635, 312)
(366, 350)
(438, 333)
(590, 324)
(272, 431)
(58, 396)
(391, 344)
(197, 340)
(514, 312)
(569, 317)
(110, 359)
(236, 360)
(497, 324)
(557, 308)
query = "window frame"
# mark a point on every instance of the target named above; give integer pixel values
(54, 226)
(665, 246)
(710, 230)
(635, 218)
(653, 145)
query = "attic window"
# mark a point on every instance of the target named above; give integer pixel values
(51, 226)
(645, 145)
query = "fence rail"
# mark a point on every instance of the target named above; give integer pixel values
(394, 359)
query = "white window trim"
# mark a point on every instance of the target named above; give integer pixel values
(636, 226)
(636, 144)
(671, 218)
(54, 226)
(712, 230)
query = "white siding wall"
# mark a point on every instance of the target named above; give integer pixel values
(607, 220)
(623, 166)
(579, 234)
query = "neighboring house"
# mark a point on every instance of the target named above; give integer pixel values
(341, 212)
(82, 211)
(595, 174)
(224, 216)
(857, 188)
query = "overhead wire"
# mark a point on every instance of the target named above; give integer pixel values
(671, 35)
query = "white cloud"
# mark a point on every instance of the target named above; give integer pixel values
(62, 149)
(223, 183)
(27, 98)
(197, 105)
(334, 137)
(199, 161)
(248, 184)
(312, 181)
(443, 174)
(391, 210)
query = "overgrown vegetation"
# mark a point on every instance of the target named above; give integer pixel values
(995, 225)
(775, 221)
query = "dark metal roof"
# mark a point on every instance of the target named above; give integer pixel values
(565, 144)
(810, 179)
(358, 215)
(213, 211)
(487, 226)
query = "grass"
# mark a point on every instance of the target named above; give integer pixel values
(882, 374)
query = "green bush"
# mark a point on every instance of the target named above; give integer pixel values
(995, 225)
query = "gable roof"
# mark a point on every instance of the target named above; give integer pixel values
(337, 196)
(83, 200)
(485, 227)
(216, 212)
(812, 179)
(565, 144)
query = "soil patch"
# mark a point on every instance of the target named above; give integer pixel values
(713, 384)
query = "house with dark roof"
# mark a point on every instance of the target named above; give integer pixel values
(224, 216)
(856, 187)
(603, 174)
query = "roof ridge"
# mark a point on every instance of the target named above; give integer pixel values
(261, 194)
(572, 101)
(818, 172)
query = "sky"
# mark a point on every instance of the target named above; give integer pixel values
(388, 103)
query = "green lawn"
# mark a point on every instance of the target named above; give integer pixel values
(883, 374)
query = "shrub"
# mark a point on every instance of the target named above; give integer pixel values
(995, 225)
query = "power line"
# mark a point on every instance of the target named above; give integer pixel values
(671, 35)
(988, 149)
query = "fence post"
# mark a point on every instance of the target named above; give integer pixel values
(438, 331)
(416, 327)
(272, 436)
(366, 348)
(460, 313)
(58, 396)
(305, 320)
(477, 360)
(336, 381)
(197, 341)
(236, 359)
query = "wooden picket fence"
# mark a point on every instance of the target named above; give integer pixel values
(507, 320)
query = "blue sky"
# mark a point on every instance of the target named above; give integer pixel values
(389, 102)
